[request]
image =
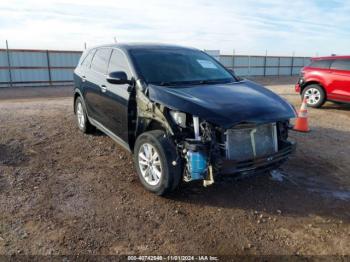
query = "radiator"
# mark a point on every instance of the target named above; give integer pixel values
(249, 142)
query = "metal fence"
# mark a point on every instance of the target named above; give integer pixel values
(264, 65)
(20, 67)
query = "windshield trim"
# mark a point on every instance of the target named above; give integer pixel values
(195, 82)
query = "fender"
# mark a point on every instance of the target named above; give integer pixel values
(148, 110)
(314, 79)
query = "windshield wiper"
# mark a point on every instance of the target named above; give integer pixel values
(215, 81)
(194, 82)
(167, 83)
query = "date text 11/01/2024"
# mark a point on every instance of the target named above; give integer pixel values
(173, 258)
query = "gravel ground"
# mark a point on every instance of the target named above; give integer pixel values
(63, 192)
(35, 92)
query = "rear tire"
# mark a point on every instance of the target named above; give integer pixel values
(154, 154)
(82, 120)
(315, 95)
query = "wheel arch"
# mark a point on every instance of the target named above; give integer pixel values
(313, 82)
(77, 93)
(145, 125)
(155, 125)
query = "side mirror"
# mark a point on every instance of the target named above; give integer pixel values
(118, 78)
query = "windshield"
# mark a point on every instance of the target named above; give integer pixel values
(178, 66)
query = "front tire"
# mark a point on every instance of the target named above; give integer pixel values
(81, 116)
(154, 155)
(315, 96)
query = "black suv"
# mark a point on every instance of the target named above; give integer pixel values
(181, 113)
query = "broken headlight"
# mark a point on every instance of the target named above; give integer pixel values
(179, 118)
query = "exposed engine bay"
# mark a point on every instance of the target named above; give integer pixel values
(242, 149)
(207, 150)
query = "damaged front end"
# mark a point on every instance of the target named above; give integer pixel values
(207, 149)
(243, 149)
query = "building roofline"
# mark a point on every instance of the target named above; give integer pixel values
(331, 57)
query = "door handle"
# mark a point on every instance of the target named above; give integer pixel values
(103, 88)
(83, 78)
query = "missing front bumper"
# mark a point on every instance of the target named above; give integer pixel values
(260, 164)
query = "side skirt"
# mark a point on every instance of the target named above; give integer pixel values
(110, 134)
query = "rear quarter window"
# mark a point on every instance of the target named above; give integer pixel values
(86, 61)
(341, 64)
(324, 64)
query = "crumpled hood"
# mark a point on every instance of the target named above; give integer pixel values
(225, 105)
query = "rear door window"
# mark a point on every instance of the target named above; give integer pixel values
(341, 64)
(325, 64)
(100, 60)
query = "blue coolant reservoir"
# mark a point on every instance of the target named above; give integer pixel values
(197, 164)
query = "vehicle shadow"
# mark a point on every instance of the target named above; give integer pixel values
(315, 181)
(336, 106)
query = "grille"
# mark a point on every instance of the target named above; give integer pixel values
(246, 143)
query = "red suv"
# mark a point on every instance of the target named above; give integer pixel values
(325, 79)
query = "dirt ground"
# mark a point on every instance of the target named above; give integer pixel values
(63, 192)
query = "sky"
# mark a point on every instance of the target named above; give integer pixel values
(302, 28)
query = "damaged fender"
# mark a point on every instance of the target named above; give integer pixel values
(148, 111)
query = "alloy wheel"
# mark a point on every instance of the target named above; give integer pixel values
(149, 163)
(80, 115)
(312, 96)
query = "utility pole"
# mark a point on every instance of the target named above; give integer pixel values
(9, 62)
(265, 62)
(84, 45)
(233, 59)
(49, 67)
(292, 67)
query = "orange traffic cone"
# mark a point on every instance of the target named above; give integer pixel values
(301, 123)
